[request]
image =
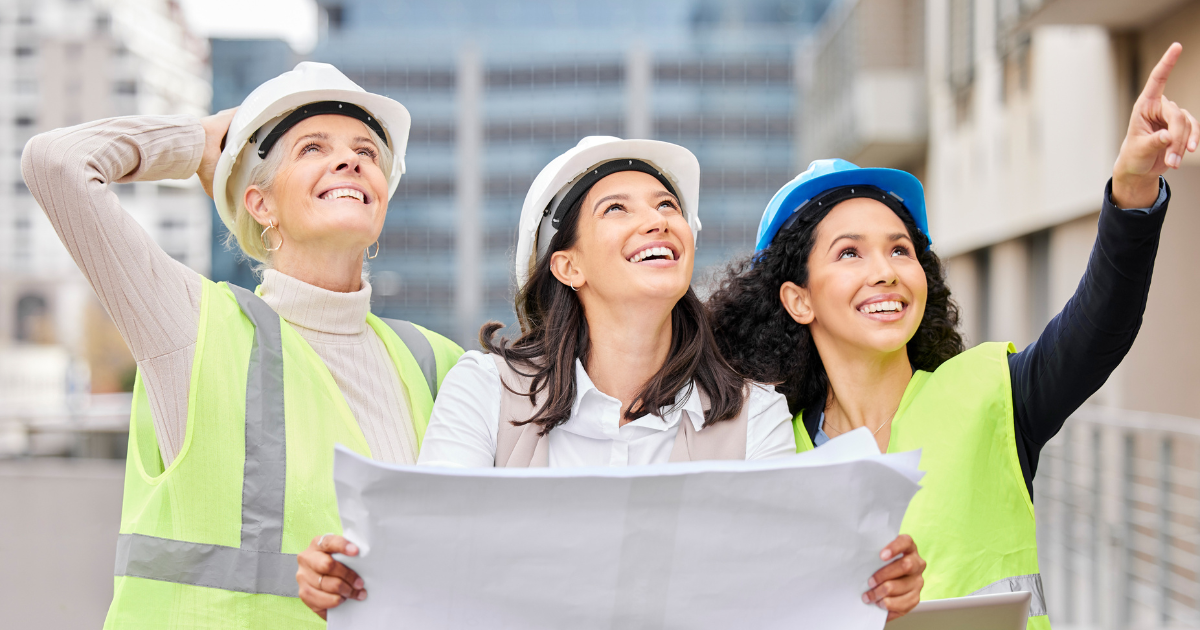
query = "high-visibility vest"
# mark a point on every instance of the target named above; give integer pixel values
(211, 541)
(972, 519)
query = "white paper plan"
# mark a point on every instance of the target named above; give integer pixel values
(783, 543)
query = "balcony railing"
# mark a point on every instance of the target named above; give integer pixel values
(1117, 494)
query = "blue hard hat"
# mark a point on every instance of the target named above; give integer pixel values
(823, 175)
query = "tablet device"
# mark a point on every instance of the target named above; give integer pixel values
(1002, 611)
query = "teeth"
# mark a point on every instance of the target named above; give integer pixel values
(343, 192)
(653, 251)
(877, 307)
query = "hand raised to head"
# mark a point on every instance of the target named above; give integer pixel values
(1160, 132)
(215, 128)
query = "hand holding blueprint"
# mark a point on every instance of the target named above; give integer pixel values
(784, 543)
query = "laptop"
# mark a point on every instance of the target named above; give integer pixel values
(1003, 611)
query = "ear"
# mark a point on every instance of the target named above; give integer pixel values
(564, 267)
(797, 302)
(256, 205)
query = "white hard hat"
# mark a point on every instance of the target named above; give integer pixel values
(671, 161)
(270, 103)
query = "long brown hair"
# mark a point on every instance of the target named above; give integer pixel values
(554, 333)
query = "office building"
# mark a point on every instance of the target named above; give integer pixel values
(497, 89)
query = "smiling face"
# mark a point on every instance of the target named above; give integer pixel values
(329, 191)
(633, 244)
(866, 289)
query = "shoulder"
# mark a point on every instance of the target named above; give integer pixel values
(474, 364)
(769, 423)
(441, 344)
(986, 354)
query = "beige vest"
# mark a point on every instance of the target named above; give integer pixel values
(520, 446)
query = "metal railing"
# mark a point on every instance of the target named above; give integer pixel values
(92, 425)
(1117, 494)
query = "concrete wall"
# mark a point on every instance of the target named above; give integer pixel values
(58, 535)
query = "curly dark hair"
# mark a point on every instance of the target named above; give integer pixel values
(762, 341)
(554, 332)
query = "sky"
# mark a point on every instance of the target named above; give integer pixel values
(292, 20)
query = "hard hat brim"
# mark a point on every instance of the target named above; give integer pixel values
(900, 184)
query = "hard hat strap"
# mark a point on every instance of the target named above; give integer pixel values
(319, 109)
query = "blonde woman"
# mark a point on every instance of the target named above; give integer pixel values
(241, 396)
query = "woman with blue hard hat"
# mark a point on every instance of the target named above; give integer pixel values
(845, 307)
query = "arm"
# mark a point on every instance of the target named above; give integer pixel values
(153, 299)
(1084, 343)
(466, 416)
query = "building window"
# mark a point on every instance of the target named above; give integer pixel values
(25, 121)
(334, 15)
(960, 63)
(24, 51)
(127, 88)
(1038, 250)
(983, 284)
(33, 319)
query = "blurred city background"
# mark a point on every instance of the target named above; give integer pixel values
(1010, 111)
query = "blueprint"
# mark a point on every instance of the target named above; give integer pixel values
(782, 543)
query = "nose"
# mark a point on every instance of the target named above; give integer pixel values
(655, 222)
(347, 160)
(883, 273)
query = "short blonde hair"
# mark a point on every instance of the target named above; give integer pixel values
(247, 231)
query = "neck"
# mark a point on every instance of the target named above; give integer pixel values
(865, 387)
(628, 347)
(338, 271)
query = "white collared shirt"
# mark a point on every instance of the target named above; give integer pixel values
(466, 417)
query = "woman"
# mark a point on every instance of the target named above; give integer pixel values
(615, 364)
(240, 397)
(846, 308)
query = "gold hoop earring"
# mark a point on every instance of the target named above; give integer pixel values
(263, 237)
(371, 256)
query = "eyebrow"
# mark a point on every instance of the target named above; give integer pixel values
(853, 237)
(599, 202)
(316, 135)
(365, 139)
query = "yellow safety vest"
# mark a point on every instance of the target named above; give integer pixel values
(211, 541)
(972, 520)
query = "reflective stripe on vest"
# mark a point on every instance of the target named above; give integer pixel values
(420, 348)
(1021, 583)
(258, 565)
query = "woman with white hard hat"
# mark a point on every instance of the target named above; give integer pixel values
(847, 308)
(241, 396)
(615, 364)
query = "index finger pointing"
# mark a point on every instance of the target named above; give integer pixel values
(1157, 83)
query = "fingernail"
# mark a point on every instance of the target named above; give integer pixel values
(351, 549)
(358, 583)
(866, 598)
(362, 595)
(1172, 160)
(871, 582)
(1192, 146)
(881, 605)
(887, 553)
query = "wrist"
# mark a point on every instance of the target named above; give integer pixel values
(1130, 191)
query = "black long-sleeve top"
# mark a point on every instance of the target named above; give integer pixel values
(1085, 342)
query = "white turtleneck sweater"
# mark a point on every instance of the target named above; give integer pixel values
(155, 301)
